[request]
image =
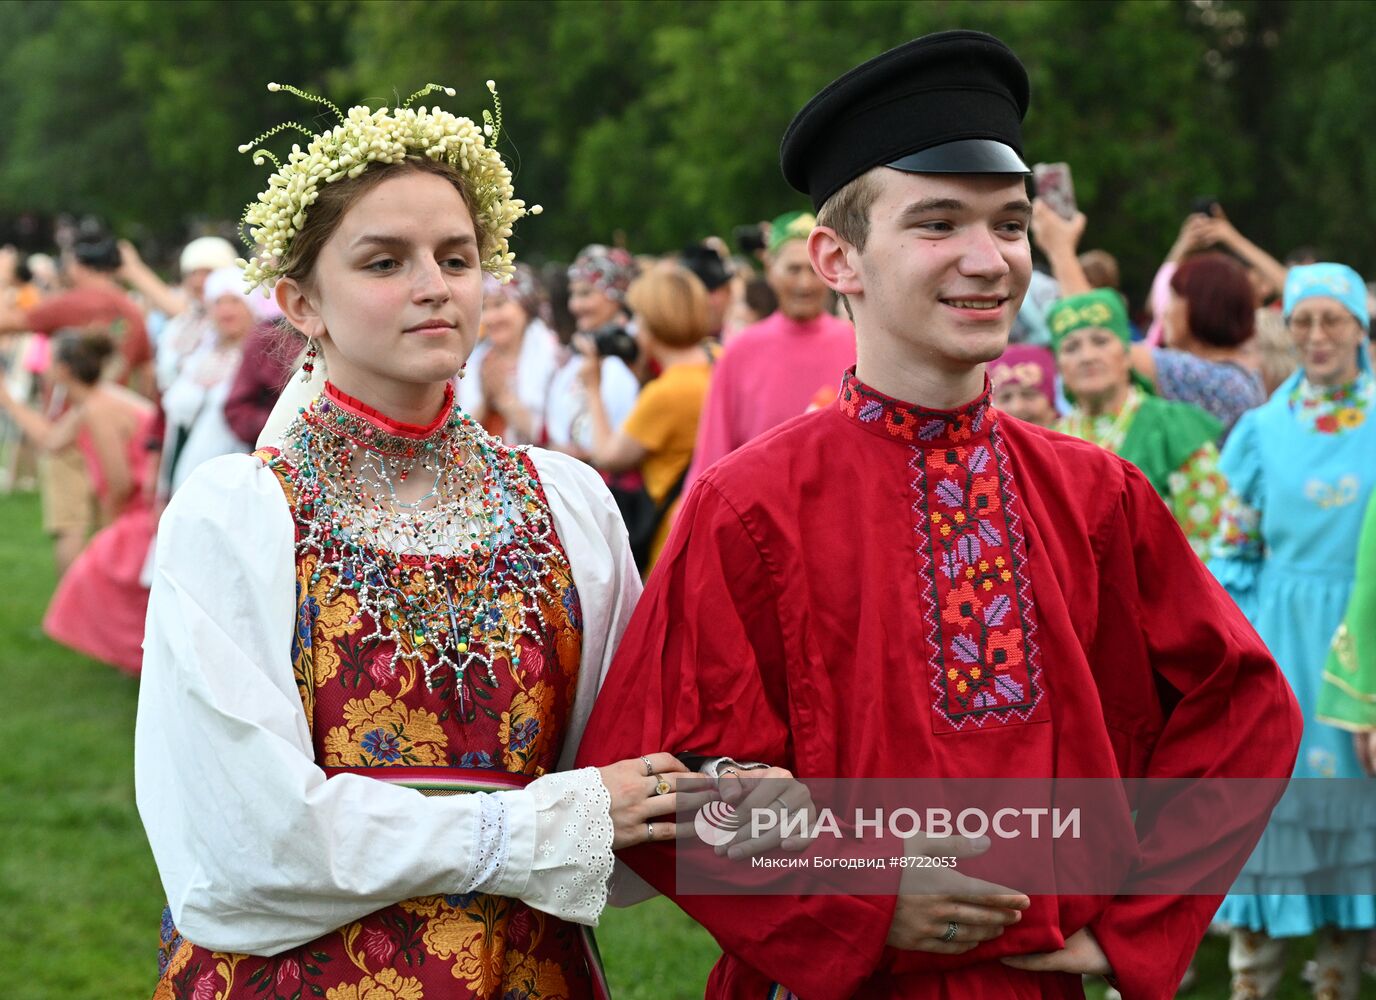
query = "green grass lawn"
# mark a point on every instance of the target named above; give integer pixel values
(79, 896)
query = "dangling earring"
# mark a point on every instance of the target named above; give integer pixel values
(463, 371)
(308, 366)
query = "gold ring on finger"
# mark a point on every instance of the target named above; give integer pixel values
(662, 787)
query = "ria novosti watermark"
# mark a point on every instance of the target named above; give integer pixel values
(1069, 836)
(905, 822)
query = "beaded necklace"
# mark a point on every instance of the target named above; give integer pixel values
(453, 578)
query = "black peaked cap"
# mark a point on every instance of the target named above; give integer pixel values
(964, 90)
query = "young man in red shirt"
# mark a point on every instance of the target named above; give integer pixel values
(910, 584)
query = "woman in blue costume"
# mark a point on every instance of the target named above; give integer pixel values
(1301, 469)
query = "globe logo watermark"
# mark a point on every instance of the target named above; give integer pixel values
(717, 823)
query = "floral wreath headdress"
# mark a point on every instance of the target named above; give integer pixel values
(364, 137)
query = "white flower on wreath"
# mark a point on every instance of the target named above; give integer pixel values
(364, 137)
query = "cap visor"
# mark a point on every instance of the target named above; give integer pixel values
(964, 156)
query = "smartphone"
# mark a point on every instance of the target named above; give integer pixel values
(749, 240)
(1204, 204)
(1054, 187)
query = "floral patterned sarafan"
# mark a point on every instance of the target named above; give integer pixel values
(1197, 492)
(373, 714)
(971, 558)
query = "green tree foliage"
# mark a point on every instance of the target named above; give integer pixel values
(74, 134)
(133, 110)
(1310, 72)
(655, 122)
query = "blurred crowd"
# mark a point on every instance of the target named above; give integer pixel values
(650, 368)
(118, 383)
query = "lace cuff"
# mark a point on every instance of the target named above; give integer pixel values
(489, 864)
(559, 845)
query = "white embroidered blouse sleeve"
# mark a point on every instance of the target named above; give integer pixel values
(590, 528)
(594, 536)
(257, 851)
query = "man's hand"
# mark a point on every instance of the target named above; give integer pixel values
(772, 788)
(932, 899)
(1081, 955)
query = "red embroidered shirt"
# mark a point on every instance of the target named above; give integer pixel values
(879, 590)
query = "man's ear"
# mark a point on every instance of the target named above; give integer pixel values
(298, 308)
(834, 260)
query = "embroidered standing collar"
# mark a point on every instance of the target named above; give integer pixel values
(908, 422)
(356, 420)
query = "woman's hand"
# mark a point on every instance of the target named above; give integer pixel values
(1194, 235)
(130, 263)
(1216, 230)
(1081, 955)
(1054, 235)
(643, 798)
(590, 374)
(9, 266)
(499, 382)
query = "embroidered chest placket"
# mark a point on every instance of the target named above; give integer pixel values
(975, 599)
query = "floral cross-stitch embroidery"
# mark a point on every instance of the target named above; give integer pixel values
(1333, 409)
(976, 595)
(984, 658)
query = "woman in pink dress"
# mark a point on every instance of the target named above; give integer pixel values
(100, 602)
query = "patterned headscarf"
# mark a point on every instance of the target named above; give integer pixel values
(1334, 281)
(1102, 307)
(523, 289)
(608, 269)
(1028, 365)
(790, 226)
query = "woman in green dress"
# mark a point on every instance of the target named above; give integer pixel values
(1173, 443)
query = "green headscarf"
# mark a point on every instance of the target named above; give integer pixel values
(790, 226)
(1102, 307)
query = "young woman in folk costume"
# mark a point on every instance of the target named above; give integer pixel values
(387, 600)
